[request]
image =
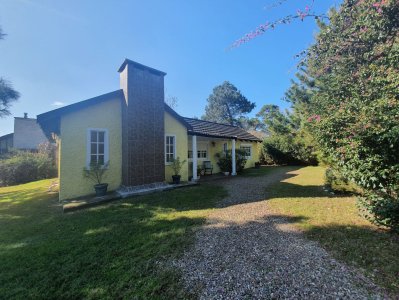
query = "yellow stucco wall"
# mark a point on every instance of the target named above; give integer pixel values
(255, 153)
(174, 127)
(74, 142)
(216, 146)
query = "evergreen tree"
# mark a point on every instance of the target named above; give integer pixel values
(227, 105)
(7, 93)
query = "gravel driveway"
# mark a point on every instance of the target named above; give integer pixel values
(246, 252)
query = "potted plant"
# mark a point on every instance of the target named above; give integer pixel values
(95, 173)
(176, 166)
(200, 171)
(224, 163)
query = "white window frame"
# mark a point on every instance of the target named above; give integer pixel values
(200, 147)
(88, 144)
(174, 147)
(250, 149)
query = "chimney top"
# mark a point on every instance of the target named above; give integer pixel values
(139, 66)
(25, 115)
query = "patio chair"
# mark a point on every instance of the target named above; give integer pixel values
(207, 167)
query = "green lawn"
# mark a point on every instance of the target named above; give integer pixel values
(105, 252)
(334, 222)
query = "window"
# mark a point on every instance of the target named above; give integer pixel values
(202, 151)
(248, 150)
(225, 148)
(170, 148)
(202, 154)
(97, 146)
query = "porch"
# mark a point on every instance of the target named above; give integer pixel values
(206, 149)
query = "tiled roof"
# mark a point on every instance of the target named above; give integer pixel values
(212, 129)
(50, 121)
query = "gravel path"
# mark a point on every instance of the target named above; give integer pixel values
(246, 252)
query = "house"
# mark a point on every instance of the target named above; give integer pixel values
(6, 142)
(138, 134)
(27, 135)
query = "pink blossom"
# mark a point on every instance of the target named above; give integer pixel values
(317, 118)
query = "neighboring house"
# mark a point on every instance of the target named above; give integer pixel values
(27, 135)
(6, 142)
(138, 134)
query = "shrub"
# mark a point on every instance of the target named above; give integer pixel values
(354, 106)
(225, 161)
(288, 150)
(21, 167)
(380, 210)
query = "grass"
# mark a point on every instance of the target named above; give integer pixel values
(107, 252)
(334, 222)
(253, 172)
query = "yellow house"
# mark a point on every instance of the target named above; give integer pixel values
(139, 136)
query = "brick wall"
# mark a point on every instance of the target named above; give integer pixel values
(142, 125)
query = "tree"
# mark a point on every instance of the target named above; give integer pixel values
(347, 91)
(171, 101)
(276, 122)
(226, 105)
(247, 123)
(7, 93)
(289, 142)
(353, 110)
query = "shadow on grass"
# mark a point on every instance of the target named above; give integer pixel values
(290, 190)
(266, 170)
(109, 251)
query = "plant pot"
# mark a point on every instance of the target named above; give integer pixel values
(176, 179)
(101, 189)
(226, 173)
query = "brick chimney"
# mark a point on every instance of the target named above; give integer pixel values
(143, 159)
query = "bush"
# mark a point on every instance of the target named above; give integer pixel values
(339, 184)
(380, 210)
(225, 161)
(21, 167)
(288, 150)
(354, 105)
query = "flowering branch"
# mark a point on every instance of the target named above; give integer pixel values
(261, 29)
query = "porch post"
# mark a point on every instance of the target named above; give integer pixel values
(194, 147)
(233, 157)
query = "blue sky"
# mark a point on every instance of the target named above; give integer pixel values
(62, 52)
